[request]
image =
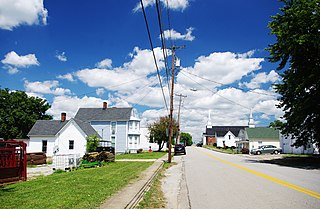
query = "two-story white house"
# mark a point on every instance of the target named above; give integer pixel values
(116, 127)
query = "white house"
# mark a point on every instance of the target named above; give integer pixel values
(144, 140)
(116, 127)
(59, 136)
(287, 142)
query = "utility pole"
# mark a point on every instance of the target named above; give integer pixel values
(179, 133)
(173, 50)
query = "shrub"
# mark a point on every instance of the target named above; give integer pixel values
(92, 143)
(139, 150)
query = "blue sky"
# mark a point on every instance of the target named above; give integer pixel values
(80, 53)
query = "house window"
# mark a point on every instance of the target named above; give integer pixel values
(44, 146)
(229, 136)
(131, 125)
(71, 144)
(259, 142)
(130, 139)
(113, 127)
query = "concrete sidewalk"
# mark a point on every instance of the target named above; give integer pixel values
(131, 194)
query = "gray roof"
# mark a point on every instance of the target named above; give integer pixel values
(100, 114)
(52, 127)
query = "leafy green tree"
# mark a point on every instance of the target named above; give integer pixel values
(92, 143)
(276, 124)
(159, 131)
(186, 138)
(18, 113)
(297, 50)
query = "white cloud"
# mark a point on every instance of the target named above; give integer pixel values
(12, 58)
(67, 76)
(62, 57)
(261, 78)
(174, 35)
(11, 70)
(106, 63)
(172, 4)
(126, 78)
(100, 91)
(222, 67)
(70, 105)
(45, 87)
(22, 12)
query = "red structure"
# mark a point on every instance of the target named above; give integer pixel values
(13, 161)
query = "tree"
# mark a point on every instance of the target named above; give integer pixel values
(186, 138)
(297, 50)
(276, 124)
(18, 113)
(159, 131)
(92, 143)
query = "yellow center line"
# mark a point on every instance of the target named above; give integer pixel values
(278, 181)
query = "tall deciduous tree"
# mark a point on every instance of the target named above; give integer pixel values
(186, 138)
(297, 50)
(18, 113)
(159, 131)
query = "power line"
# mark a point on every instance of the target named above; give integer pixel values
(164, 49)
(216, 82)
(216, 92)
(154, 56)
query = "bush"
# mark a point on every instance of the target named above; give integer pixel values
(139, 150)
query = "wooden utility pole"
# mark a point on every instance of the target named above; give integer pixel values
(173, 50)
(179, 133)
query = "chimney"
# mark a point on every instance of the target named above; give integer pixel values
(63, 116)
(105, 105)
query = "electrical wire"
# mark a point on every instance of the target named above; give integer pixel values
(154, 56)
(216, 82)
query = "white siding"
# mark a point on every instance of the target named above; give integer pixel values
(35, 144)
(286, 145)
(144, 140)
(228, 142)
(71, 132)
(121, 136)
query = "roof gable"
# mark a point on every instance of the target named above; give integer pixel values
(100, 114)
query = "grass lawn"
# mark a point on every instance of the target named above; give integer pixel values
(84, 188)
(143, 155)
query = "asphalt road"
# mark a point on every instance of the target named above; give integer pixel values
(218, 180)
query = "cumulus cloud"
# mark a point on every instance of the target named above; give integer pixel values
(174, 35)
(45, 87)
(100, 91)
(126, 78)
(261, 78)
(106, 63)
(67, 76)
(22, 12)
(62, 57)
(71, 104)
(12, 58)
(222, 67)
(172, 4)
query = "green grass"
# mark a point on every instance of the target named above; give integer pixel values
(154, 198)
(84, 188)
(296, 155)
(143, 155)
